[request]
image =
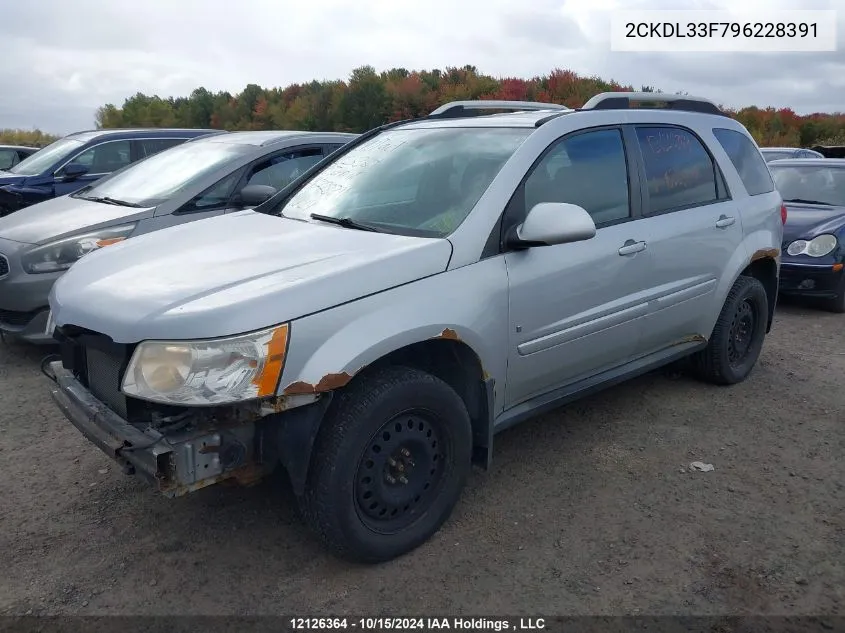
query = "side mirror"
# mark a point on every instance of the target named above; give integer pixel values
(253, 195)
(552, 223)
(73, 171)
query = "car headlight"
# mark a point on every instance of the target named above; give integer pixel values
(816, 247)
(214, 371)
(62, 254)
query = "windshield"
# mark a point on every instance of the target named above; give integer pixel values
(153, 180)
(44, 159)
(810, 183)
(420, 182)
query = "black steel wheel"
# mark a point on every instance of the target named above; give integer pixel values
(400, 470)
(741, 334)
(737, 338)
(389, 464)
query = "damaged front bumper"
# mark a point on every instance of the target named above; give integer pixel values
(176, 463)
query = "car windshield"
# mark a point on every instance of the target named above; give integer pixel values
(421, 182)
(153, 180)
(44, 159)
(810, 183)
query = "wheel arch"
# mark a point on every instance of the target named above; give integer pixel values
(764, 267)
(445, 355)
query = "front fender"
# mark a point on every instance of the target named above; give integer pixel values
(469, 304)
(23, 195)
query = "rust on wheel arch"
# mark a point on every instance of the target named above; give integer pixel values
(765, 253)
(329, 382)
(449, 334)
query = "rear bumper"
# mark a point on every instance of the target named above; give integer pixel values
(810, 280)
(174, 465)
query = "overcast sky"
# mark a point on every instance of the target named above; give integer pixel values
(61, 60)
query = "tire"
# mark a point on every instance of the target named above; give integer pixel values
(725, 361)
(354, 500)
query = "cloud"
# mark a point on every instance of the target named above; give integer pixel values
(60, 65)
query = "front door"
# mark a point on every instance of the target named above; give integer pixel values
(576, 309)
(101, 160)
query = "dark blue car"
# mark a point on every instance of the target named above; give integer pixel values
(813, 257)
(79, 159)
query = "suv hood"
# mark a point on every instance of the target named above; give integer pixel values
(53, 219)
(233, 274)
(806, 221)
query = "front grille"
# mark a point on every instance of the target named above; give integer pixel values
(98, 363)
(17, 319)
(104, 376)
(4, 266)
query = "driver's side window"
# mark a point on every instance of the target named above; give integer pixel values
(587, 169)
(217, 196)
(281, 170)
(105, 157)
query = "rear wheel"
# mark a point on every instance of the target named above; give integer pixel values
(737, 339)
(389, 465)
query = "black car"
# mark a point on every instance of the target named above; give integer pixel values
(79, 159)
(813, 255)
(11, 155)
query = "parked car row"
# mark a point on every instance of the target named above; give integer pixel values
(79, 159)
(394, 300)
(781, 153)
(212, 174)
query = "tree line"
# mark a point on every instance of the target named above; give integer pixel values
(370, 98)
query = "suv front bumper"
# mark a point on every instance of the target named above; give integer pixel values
(175, 465)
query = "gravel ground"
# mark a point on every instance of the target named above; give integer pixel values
(591, 509)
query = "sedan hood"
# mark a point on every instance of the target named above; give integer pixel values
(806, 221)
(7, 178)
(234, 274)
(53, 219)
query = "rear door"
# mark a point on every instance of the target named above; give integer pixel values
(575, 309)
(693, 227)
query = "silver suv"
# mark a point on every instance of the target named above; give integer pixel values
(374, 324)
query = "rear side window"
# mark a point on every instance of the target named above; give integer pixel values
(746, 159)
(155, 145)
(679, 171)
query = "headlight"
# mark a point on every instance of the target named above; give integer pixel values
(215, 371)
(817, 247)
(62, 254)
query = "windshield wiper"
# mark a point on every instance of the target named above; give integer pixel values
(806, 201)
(114, 201)
(348, 223)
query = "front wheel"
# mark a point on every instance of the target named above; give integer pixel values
(389, 464)
(737, 339)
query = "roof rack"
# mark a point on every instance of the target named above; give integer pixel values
(456, 109)
(623, 101)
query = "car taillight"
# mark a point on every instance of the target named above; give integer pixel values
(783, 214)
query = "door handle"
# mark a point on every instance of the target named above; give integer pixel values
(630, 247)
(724, 221)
